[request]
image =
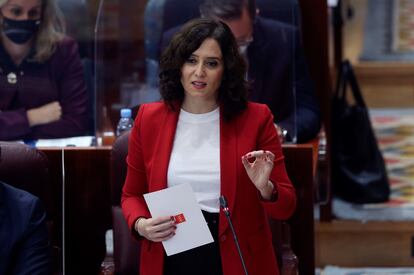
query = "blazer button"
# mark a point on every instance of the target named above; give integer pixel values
(223, 238)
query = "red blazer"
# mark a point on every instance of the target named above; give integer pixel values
(150, 147)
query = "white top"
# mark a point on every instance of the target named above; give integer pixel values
(195, 157)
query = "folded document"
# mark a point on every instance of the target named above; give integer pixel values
(180, 202)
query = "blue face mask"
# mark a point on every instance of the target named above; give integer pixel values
(20, 31)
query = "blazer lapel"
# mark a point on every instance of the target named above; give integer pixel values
(228, 167)
(165, 141)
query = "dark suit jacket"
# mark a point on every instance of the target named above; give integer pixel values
(24, 244)
(150, 146)
(279, 77)
(58, 79)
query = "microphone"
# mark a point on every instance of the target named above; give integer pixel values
(223, 204)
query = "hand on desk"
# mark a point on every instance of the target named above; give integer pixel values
(259, 171)
(156, 229)
(44, 114)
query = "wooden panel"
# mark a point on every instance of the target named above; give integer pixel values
(389, 96)
(315, 44)
(386, 85)
(377, 72)
(87, 208)
(299, 165)
(55, 195)
(87, 204)
(358, 244)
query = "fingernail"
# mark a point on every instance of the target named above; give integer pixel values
(172, 218)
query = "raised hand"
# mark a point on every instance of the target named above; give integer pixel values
(259, 170)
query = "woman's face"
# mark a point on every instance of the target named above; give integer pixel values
(202, 72)
(22, 9)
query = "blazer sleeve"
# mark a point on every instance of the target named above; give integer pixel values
(136, 184)
(72, 94)
(285, 203)
(33, 255)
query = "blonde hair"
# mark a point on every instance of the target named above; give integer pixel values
(51, 30)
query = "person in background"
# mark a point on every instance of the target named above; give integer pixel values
(42, 90)
(24, 241)
(204, 132)
(276, 66)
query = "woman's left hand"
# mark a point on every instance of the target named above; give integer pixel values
(259, 170)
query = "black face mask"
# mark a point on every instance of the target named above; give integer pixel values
(20, 31)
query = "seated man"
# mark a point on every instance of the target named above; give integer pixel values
(24, 240)
(276, 65)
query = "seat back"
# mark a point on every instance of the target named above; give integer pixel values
(118, 167)
(25, 168)
(126, 248)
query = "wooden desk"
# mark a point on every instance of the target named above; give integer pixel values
(87, 203)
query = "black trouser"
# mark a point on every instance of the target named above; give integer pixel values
(202, 260)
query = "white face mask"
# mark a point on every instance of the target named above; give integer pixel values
(243, 50)
(244, 45)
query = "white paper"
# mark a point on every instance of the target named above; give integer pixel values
(83, 141)
(177, 200)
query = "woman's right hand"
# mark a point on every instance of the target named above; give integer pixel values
(44, 114)
(156, 229)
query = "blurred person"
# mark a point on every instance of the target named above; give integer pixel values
(42, 90)
(24, 242)
(24, 239)
(204, 132)
(276, 66)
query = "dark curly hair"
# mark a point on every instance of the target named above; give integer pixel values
(232, 94)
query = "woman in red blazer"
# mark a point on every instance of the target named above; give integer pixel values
(204, 132)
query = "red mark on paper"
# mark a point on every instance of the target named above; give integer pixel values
(179, 218)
